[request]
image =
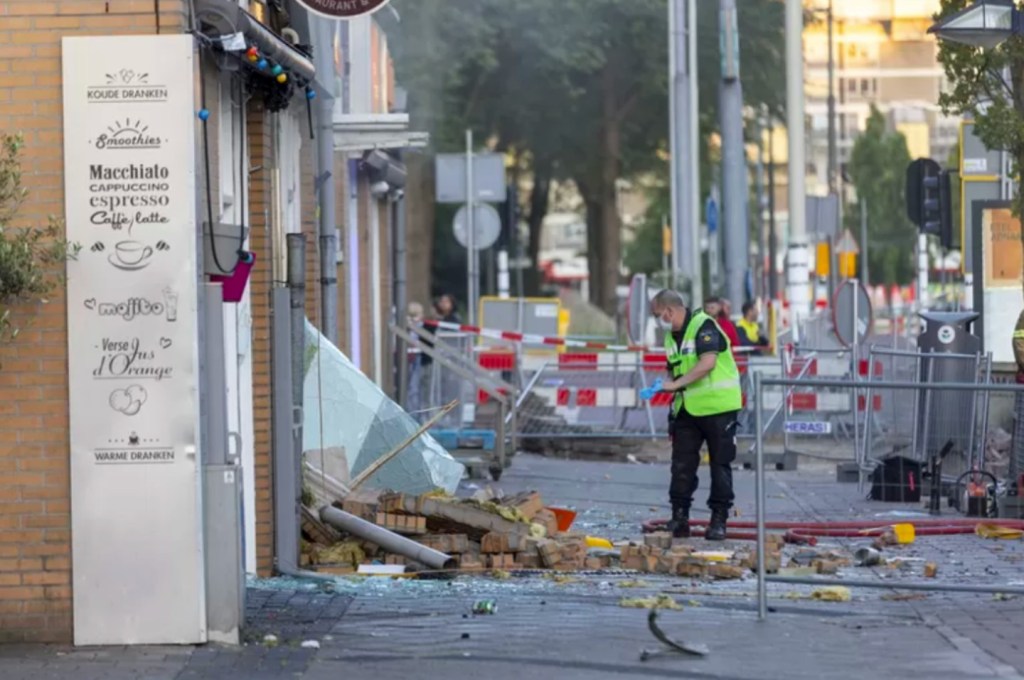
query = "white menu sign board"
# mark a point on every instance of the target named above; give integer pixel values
(130, 202)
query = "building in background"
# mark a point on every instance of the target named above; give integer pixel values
(883, 57)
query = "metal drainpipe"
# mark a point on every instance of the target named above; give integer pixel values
(401, 295)
(324, 59)
(297, 322)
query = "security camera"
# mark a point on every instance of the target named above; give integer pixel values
(397, 194)
(379, 189)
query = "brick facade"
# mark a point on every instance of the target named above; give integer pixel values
(35, 540)
(261, 154)
(35, 545)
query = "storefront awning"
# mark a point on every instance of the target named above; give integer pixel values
(355, 133)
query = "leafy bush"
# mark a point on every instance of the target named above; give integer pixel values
(30, 257)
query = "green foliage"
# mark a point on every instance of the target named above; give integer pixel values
(644, 254)
(978, 89)
(987, 86)
(29, 257)
(576, 89)
(877, 167)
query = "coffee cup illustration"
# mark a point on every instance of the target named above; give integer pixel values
(130, 255)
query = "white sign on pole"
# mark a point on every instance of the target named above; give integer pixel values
(130, 201)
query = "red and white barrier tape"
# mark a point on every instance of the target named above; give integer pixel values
(531, 339)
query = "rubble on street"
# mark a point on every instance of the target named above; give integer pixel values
(491, 534)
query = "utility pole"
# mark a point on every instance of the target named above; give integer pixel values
(472, 256)
(832, 174)
(762, 203)
(864, 241)
(773, 277)
(796, 257)
(697, 283)
(685, 175)
(678, 112)
(735, 230)
(685, 156)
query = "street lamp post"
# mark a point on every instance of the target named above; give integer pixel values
(985, 24)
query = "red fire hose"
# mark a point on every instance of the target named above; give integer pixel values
(807, 532)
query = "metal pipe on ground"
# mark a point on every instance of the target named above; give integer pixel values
(390, 541)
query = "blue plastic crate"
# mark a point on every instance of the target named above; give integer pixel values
(465, 439)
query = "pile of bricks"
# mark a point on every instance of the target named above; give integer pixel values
(520, 533)
(511, 533)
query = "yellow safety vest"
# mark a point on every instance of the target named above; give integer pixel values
(718, 391)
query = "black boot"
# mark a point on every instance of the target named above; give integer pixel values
(716, 527)
(679, 525)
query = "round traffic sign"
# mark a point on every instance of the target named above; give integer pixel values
(486, 226)
(843, 309)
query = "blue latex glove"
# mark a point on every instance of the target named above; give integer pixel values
(648, 393)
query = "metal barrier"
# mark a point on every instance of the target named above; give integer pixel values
(939, 483)
(591, 395)
(455, 374)
(917, 427)
(597, 395)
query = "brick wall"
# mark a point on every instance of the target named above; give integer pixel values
(35, 541)
(261, 154)
(420, 206)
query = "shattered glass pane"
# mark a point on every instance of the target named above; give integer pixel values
(349, 423)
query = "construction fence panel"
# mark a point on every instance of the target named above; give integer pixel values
(750, 365)
(918, 425)
(942, 492)
(809, 412)
(594, 394)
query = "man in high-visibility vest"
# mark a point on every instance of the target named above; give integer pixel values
(708, 399)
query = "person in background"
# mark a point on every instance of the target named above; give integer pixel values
(417, 361)
(445, 385)
(749, 328)
(718, 309)
(445, 308)
(712, 306)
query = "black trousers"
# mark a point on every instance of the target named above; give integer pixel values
(689, 433)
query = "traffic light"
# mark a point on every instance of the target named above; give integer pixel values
(929, 199)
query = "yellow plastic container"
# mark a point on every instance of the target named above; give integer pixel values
(904, 533)
(713, 555)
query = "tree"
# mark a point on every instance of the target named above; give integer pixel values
(877, 167)
(29, 256)
(574, 89)
(988, 87)
(645, 254)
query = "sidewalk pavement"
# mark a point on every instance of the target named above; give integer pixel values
(542, 628)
